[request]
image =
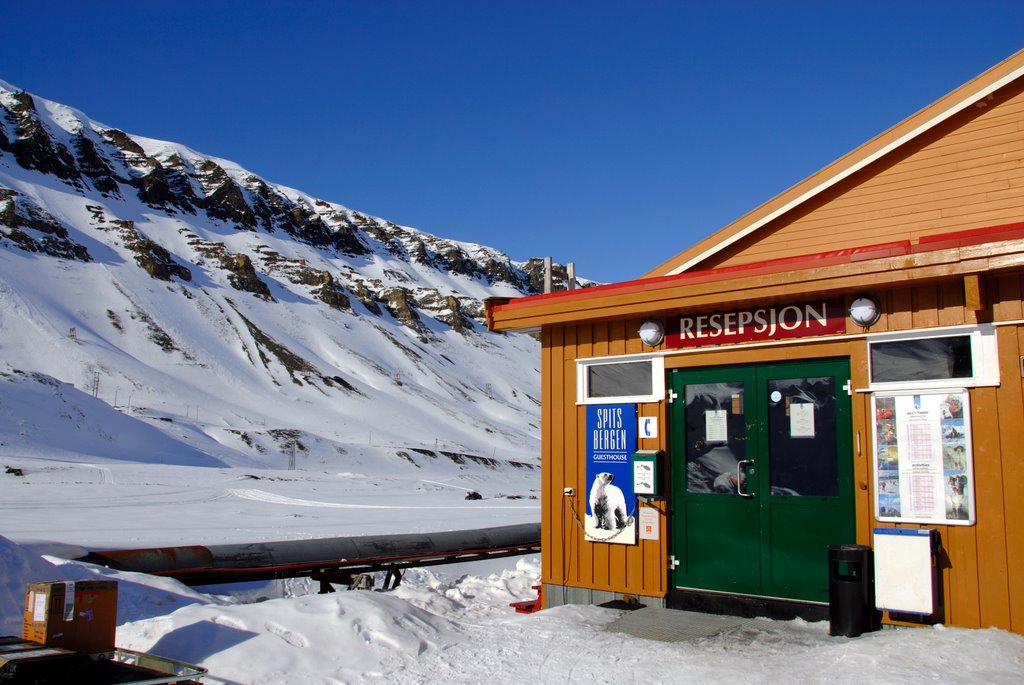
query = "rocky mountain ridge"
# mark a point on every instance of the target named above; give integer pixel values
(238, 257)
(91, 158)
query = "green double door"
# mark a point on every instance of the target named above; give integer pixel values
(761, 477)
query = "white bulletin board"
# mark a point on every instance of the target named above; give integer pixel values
(903, 570)
(922, 459)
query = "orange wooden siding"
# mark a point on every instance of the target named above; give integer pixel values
(980, 588)
(981, 568)
(568, 558)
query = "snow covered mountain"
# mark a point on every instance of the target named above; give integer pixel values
(154, 296)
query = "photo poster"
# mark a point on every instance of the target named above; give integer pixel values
(923, 463)
(611, 502)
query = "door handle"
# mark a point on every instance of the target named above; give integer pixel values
(740, 480)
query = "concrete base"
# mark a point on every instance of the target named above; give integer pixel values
(700, 601)
(745, 606)
(558, 595)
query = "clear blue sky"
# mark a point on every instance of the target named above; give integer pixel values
(612, 134)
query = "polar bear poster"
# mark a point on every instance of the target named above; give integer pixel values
(607, 504)
(610, 517)
(610, 499)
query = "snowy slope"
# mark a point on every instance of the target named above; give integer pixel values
(241, 320)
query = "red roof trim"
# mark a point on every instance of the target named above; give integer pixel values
(929, 243)
(972, 236)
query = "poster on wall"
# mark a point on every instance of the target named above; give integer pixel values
(922, 458)
(611, 502)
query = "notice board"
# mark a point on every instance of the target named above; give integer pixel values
(904, 573)
(923, 464)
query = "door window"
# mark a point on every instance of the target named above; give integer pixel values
(802, 437)
(715, 436)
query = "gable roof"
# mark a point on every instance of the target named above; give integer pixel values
(976, 91)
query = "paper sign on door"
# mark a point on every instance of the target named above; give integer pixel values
(716, 425)
(801, 420)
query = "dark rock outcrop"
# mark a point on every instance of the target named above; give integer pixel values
(96, 167)
(242, 275)
(398, 303)
(154, 259)
(33, 229)
(225, 199)
(331, 294)
(33, 147)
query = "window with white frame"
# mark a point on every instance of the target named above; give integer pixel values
(631, 378)
(962, 357)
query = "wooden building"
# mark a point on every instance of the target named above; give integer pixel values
(842, 365)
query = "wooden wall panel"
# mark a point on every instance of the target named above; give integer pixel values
(567, 474)
(600, 335)
(550, 538)
(1012, 407)
(655, 552)
(990, 529)
(553, 431)
(863, 444)
(617, 337)
(960, 578)
(898, 311)
(1007, 292)
(572, 564)
(951, 304)
(925, 303)
(1006, 297)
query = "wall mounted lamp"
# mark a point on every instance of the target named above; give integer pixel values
(865, 311)
(652, 332)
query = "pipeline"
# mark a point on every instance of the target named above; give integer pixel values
(329, 560)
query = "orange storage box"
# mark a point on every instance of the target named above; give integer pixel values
(78, 615)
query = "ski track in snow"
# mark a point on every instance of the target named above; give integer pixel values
(106, 475)
(447, 485)
(263, 496)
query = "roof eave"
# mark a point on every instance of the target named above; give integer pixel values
(888, 265)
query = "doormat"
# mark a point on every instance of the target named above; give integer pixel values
(673, 625)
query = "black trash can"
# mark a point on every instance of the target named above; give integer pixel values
(851, 591)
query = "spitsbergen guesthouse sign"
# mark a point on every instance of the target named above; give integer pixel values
(610, 500)
(775, 322)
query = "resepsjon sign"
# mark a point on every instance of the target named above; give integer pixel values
(775, 322)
